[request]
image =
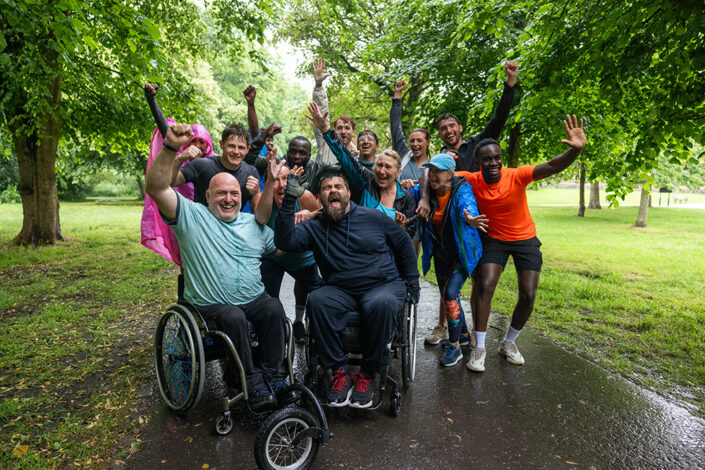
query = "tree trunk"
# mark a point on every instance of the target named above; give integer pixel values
(514, 150)
(36, 161)
(643, 208)
(140, 184)
(594, 195)
(581, 207)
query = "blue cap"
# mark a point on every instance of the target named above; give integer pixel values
(442, 161)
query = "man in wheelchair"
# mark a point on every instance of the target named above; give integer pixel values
(221, 250)
(368, 264)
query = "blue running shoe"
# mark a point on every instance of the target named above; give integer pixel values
(452, 356)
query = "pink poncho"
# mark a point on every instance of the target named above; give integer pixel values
(156, 235)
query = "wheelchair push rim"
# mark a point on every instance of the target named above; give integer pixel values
(179, 360)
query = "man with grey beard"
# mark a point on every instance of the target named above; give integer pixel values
(221, 250)
(367, 262)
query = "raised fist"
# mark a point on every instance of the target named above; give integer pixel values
(399, 87)
(271, 131)
(511, 68)
(151, 88)
(252, 185)
(178, 135)
(250, 93)
(190, 153)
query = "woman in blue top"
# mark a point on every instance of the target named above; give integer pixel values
(451, 237)
(377, 188)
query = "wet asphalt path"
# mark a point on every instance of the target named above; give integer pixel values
(557, 411)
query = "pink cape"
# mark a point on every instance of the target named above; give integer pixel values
(156, 235)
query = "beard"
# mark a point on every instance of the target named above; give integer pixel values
(335, 213)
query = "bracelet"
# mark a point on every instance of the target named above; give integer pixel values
(169, 146)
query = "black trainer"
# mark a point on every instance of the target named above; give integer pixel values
(259, 395)
(363, 392)
(341, 388)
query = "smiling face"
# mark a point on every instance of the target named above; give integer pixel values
(334, 197)
(440, 180)
(234, 150)
(367, 145)
(345, 130)
(386, 171)
(418, 143)
(224, 197)
(450, 132)
(299, 153)
(280, 186)
(489, 158)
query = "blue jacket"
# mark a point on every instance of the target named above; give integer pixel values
(467, 239)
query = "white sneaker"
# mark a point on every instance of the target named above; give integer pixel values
(509, 350)
(438, 334)
(477, 360)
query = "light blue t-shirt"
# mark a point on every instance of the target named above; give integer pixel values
(221, 260)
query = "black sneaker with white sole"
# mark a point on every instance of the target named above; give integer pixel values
(363, 392)
(341, 388)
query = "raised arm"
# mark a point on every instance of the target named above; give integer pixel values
(264, 207)
(358, 174)
(159, 175)
(250, 92)
(320, 97)
(495, 125)
(398, 142)
(576, 140)
(289, 236)
(150, 92)
(253, 156)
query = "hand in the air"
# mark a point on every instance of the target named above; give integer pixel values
(252, 185)
(178, 135)
(151, 88)
(511, 69)
(190, 153)
(250, 92)
(399, 87)
(319, 120)
(576, 135)
(319, 71)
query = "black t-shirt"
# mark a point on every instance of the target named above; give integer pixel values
(201, 170)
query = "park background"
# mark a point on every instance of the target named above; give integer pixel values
(80, 296)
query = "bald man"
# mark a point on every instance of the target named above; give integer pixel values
(221, 250)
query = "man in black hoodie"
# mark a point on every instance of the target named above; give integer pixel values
(367, 262)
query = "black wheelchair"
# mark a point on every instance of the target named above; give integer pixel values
(402, 346)
(184, 342)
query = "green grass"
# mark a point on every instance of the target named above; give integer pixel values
(551, 195)
(78, 317)
(632, 300)
(77, 325)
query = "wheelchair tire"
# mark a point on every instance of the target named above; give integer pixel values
(395, 404)
(179, 359)
(272, 444)
(408, 338)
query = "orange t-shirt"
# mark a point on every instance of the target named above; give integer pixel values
(437, 220)
(504, 203)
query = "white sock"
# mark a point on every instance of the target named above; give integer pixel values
(480, 338)
(511, 334)
(300, 309)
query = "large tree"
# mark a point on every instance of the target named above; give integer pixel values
(71, 72)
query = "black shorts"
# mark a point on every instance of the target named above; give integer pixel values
(526, 253)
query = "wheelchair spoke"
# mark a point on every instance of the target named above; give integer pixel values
(182, 372)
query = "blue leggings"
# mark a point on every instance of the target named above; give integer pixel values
(450, 282)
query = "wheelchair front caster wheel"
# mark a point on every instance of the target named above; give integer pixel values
(223, 425)
(275, 446)
(395, 403)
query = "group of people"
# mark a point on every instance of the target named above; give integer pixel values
(348, 227)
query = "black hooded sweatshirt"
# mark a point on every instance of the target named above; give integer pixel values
(363, 250)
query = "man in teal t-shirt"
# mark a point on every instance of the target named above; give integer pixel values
(221, 250)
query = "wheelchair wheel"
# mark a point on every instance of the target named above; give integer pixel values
(273, 444)
(179, 359)
(408, 337)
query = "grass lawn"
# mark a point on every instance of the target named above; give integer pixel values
(552, 195)
(78, 318)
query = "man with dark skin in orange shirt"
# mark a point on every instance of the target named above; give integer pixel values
(501, 196)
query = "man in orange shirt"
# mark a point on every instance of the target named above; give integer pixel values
(501, 196)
